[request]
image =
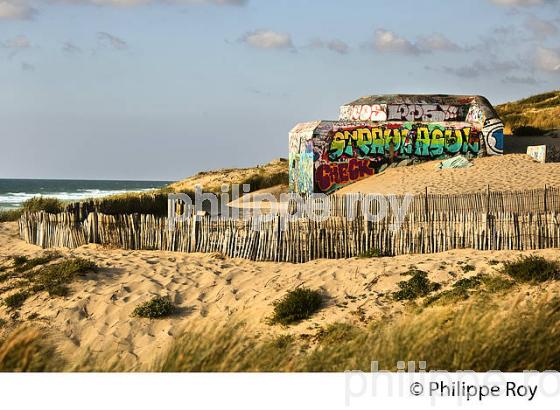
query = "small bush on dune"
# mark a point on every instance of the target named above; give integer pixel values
(262, 180)
(155, 308)
(495, 283)
(297, 305)
(20, 260)
(463, 289)
(10, 215)
(373, 253)
(532, 269)
(55, 278)
(39, 203)
(417, 286)
(15, 300)
(23, 263)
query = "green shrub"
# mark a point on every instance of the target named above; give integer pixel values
(468, 283)
(55, 278)
(155, 308)
(532, 269)
(495, 283)
(46, 204)
(23, 263)
(417, 286)
(10, 215)
(15, 300)
(262, 180)
(154, 203)
(297, 305)
(462, 289)
(468, 268)
(20, 260)
(373, 253)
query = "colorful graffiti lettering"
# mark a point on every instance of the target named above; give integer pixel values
(374, 112)
(379, 131)
(424, 112)
(409, 140)
(342, 173)
(493, 132)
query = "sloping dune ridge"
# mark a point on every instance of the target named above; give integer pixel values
(513, 172)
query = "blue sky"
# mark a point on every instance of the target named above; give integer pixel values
(161, 89)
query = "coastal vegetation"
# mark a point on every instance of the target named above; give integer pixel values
(50, 273)
(475, 335)
(155, 308)
(532, 116)
(297, 305)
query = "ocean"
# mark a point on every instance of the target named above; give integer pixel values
(13, 192)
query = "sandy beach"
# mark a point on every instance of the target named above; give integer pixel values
(514, 172)
(211, 291)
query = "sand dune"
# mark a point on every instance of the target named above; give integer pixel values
(505, 173)
(211, 290)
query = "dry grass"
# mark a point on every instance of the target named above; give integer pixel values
(532, 116)
(481, 334)
(27, 350)
(260, 177)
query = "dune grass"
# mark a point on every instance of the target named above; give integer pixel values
(10, 215)
(532, 116)
(480, 334)
(155, 308)
(28, 350)
(33, 275)
(532, 269)
(416, 287)
(297, 305)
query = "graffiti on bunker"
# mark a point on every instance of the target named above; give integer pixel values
(375, 132)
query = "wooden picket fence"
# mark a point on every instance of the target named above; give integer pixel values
(485, 221)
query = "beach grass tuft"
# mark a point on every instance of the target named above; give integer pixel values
(16, 300)
(417, 286)
(157, 307)
(532, 269)
(28, 350)
(297, 305)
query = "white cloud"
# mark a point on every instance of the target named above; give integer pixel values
(15, 10)
(436, 42)
(338, 46)
(386, 40)
(267, 39)
(389, 41)
(114, 41)
(478, 68)
(547, 59)
(541, 28)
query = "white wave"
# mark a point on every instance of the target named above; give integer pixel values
(14, 199)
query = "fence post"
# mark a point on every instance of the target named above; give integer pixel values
(545, 204)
